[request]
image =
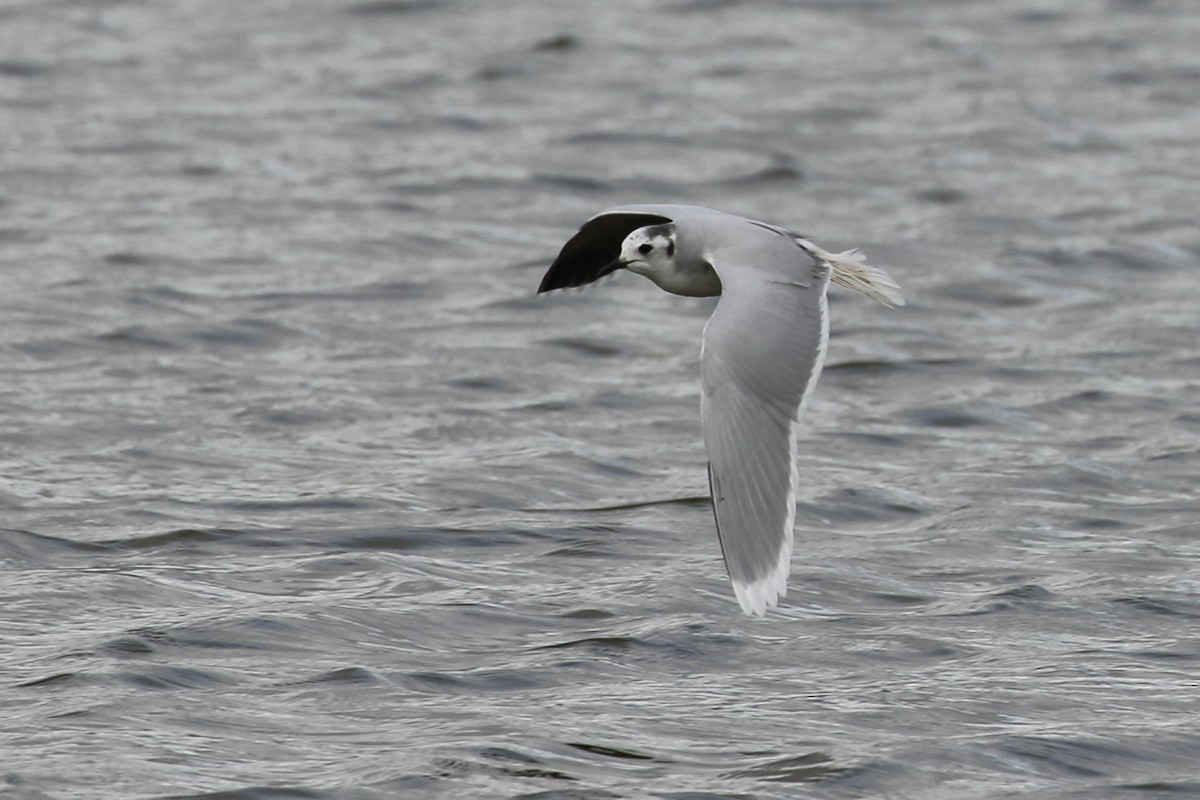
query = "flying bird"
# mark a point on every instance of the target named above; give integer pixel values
(760, 358)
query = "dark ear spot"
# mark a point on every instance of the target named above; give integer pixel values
(645, 249)
(670, 249)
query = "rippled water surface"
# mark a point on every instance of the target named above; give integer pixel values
(304, 493)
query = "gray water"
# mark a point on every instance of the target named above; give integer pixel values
(305, 494)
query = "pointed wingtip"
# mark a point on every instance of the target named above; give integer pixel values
(755, 597)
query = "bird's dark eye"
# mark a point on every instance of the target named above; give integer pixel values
(645, 248)
(670, 249)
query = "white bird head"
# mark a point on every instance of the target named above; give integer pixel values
(656, 252)
(650, 251)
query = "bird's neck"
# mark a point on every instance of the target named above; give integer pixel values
(700, 281)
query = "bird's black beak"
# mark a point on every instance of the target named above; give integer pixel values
(610, 268)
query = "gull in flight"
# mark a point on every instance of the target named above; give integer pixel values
(761, 355)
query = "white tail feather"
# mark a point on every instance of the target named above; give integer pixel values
(851, 270)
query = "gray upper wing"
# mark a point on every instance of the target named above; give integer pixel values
(763, 351)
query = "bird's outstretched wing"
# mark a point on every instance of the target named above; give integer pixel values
(594, 246)
(763, 351)
(597, 243)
